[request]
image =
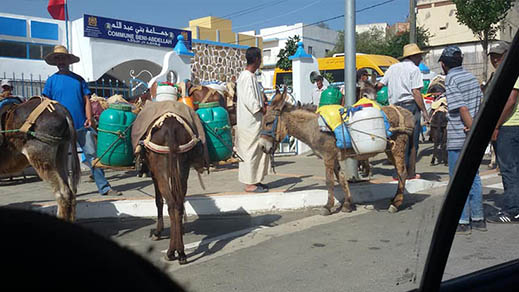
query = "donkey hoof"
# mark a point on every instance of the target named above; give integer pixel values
(170, 258)
(182, 260)
(347, 209)
(155, 237)
(325, 211)
(392, 209)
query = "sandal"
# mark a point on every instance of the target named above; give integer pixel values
(258, 189)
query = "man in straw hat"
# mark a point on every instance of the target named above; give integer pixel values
(72, 91)
(404, 82)
(506, 139)
(464, 97)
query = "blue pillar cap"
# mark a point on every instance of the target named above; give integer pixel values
(300, 53)
(180, 47)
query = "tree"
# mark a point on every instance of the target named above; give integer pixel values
(372, 41)
(289, 50)
(483, 17)
(395, 44)
(339, 45)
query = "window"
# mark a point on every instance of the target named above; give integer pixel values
(13, 50)
(310, 50)
(267, 53)
(24, 50)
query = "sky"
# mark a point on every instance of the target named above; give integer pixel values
(246, 15)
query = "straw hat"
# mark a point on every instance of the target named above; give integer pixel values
(411, 50)
(60, 51)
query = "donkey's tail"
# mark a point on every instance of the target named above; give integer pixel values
(73, 158)
(175, 183)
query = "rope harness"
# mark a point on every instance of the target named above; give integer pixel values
(165, 149)
(46, 104)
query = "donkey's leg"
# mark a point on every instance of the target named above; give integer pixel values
(170, 255)
(66, 190)
(159, 202)
(179, 234)
(329, 168)
(397, 156)
(347, 205)
(45, 162)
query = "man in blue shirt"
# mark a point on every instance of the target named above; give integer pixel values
(71, 91)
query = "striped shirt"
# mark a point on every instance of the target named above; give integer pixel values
(462, 90)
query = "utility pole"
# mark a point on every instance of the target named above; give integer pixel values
(350, 73)
(412, 21)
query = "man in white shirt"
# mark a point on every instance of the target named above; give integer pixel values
(404, 82)
(250, 109)
(319, 88)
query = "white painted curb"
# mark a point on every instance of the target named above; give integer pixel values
(246, 203)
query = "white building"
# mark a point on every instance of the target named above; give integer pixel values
(113, 53)
(25, 41)
(317, 41)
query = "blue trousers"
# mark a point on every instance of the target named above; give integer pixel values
(474, 205)
(507, 153)
(86, 140)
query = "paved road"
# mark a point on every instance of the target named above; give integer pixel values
(366, 250)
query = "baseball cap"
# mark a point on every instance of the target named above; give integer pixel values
(500, 48)
(451, 52)
(5, 82)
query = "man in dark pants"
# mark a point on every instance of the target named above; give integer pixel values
(506, 139)
(404, 82)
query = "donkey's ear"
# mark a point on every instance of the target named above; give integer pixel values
(277, 98)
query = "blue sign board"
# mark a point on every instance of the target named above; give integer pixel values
(132, 32)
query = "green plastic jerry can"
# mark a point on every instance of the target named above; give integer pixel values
(114, 143)
(217, 130)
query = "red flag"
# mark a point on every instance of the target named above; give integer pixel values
(56, 9)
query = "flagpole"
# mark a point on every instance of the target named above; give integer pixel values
(66, 23)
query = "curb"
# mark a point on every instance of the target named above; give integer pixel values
(245, 203)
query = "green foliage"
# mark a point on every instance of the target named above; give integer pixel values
(339, 45)
(395, 44)
(373, 41)
(328, 76)
(482, 16)
(289, 50)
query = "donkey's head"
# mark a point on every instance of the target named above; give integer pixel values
(273, 128)
(367, 90)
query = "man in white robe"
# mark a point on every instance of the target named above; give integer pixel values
(250, 110)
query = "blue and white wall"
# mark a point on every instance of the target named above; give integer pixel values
(24, 41)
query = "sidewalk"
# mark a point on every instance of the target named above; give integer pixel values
(299, 182)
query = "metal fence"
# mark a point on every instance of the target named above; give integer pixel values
(28, 85)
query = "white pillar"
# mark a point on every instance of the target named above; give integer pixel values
(303, 65)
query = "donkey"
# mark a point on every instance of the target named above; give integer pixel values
(170, 171)
(201, 94)
(45, 146)
(283, 119)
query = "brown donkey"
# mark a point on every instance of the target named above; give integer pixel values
(44, 144)
(282, 119)
(170, 171)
